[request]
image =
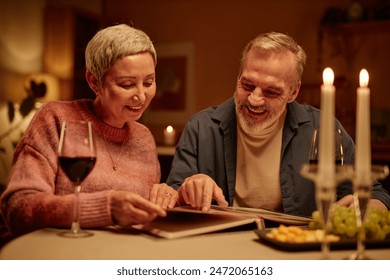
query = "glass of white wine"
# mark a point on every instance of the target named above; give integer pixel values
(77, 157)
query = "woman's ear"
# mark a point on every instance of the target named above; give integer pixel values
(92, 81)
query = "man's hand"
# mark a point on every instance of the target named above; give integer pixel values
(374, 203)
(199, 190)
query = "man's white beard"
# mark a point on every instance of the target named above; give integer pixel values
(251, 126)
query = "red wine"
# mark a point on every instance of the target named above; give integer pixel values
(77, 169)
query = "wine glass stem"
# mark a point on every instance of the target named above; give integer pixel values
(325, 198)
(75, 224)
(360, 202)
(325, 247)
(361, 242)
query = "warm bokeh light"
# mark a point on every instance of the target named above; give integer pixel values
(169, 128)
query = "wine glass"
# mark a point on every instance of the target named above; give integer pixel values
(325, 191)
(339, 148)
(77, 157)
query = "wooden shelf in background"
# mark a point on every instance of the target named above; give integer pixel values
(380, 152)
(364, 27)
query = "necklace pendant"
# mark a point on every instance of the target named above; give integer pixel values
(114, 163)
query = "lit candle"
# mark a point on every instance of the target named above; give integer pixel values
(326, 155)
(363, 133)
(169, 135)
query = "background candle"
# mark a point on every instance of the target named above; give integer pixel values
(326, 155)
(363, 131)
(169, 135)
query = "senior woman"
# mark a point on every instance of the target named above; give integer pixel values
(123, 188)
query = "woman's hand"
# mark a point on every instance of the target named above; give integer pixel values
(129, 208)
(199, 190)
(164, 195)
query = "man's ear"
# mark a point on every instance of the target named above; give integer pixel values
(92, 81)
(294, 94)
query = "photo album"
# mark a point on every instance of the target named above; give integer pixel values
(186, 221)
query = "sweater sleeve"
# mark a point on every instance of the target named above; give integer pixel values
(31, 200)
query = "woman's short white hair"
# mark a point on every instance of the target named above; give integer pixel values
(115, 42)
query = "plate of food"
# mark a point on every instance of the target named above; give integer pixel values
(293, 238)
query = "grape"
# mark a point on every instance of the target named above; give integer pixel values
(341, 229)
(316, 215)
(376, 223)
(351, 231)
(315, 223)
(350, 221)
(337, 221)
(386, 229)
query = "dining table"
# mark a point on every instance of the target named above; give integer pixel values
(113, 243)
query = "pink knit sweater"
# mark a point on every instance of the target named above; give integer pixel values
(40, 195)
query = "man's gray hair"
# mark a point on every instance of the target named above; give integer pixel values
(277, 42)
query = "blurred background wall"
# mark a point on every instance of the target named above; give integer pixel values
(49, 36)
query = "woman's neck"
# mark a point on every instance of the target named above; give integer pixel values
(98, 110)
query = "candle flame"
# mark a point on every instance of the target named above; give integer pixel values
(363, 78)
(328, 76)
(169, 128)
